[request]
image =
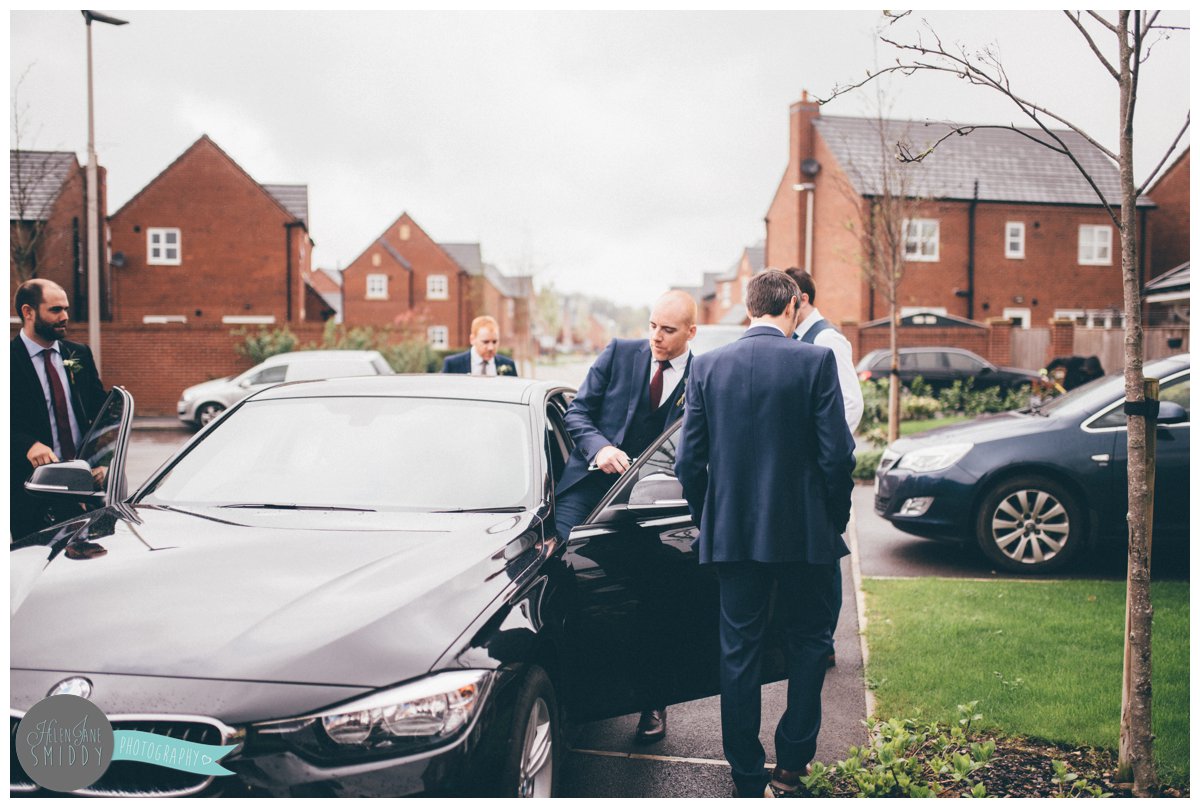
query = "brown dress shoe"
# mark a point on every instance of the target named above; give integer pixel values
(652, 727)
(787, 781)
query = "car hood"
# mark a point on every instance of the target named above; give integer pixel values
(365, 599)
(984, 428)
(210, 386)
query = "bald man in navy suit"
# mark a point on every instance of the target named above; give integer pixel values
(765, 460)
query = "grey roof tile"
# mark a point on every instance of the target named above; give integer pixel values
(294, 199)
(467, 256)
(394, 253)
(1009, 166)
(1177, 279)
(35, 180)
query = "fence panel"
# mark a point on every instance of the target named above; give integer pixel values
(1109, 344)
(1030, 347)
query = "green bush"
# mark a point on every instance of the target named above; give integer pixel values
(918, 408)
(264, 343)
(866, 463)
(405, 354)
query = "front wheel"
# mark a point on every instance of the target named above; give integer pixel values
(531, 766)
(1030, 524)
(207, 412)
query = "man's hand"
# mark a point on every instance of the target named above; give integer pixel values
(612, 460)
(99, 475)
(40, 454)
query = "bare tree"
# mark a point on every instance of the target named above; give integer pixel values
(29, 203)
(1132, 36)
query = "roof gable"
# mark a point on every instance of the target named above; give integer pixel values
(35, 179)
(293, 198)
(1008, 165)
(467, 256)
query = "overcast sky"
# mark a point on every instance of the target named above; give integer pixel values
(610, 153)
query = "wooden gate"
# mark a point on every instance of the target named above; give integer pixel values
(1030, 347)
(1109, 344)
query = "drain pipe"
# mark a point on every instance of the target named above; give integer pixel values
(971, 253)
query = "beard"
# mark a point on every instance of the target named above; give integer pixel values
(47, 330)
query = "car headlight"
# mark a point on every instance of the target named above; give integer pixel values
(424, 713)
(934, 458)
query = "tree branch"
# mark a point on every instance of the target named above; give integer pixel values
(1074, 18)
(1096, 16)
(1153, 175)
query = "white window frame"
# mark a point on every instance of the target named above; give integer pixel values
(928, 230)
(1014, 234)
(1070, 314)
(726, 294)
(1024, 315)
(1095, 245)
(438, 337)
(908, 311)
(377, 286)
(156, 239)
(437, 287)
(248, 319)
(163, 319)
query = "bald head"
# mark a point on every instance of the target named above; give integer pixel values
(44, 310)
(672, 324)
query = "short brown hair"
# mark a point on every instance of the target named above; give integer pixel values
(805, 282)
(769, 293)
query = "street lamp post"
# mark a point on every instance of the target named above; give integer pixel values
(93, 198)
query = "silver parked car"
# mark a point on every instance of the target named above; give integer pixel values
(202, 402)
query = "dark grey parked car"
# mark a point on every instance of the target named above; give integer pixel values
(941, 367)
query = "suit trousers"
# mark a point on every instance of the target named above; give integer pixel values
(573, 506)
(804, 597)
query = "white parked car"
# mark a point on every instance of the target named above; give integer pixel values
(714, 336)
(202, 402)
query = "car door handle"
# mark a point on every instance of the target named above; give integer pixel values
(1101, 459)
(590, 532)
(665, 521)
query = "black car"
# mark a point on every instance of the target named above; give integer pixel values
(941, 367)
(1035, 488)
(359, 581)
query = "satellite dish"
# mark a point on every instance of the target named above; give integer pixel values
(810, 167)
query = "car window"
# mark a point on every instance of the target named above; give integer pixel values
(964, 363)
(660, 461)
(358, 452)
(883, 361)
(930, 361)
(1177, 390)
(270, 375)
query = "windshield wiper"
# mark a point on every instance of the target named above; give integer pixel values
(288, 506)
(509, 509)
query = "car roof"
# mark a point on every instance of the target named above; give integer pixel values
(417, 385)
(307, 356)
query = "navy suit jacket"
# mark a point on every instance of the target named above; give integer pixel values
(461, 363)
(766, 458)
(606, 402)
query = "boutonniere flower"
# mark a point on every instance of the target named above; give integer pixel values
(505, 370)
(73, 366)
(682, 394)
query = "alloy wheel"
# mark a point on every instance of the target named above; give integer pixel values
(1030, 526)
(537, 754)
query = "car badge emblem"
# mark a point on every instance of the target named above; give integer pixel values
(75, 686)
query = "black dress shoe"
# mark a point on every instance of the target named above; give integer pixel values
(767, 792)
(652, 727)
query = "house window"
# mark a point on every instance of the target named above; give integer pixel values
(437, 288)
(726, 293)
(1069, 314)
(162, 246)
(1014, 240)
(439, 337)
(1095, 245)
(377, 287)
(376, 260)
(921, 239)
(1021, 316)
(510, 308)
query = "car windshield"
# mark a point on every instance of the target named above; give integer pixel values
(358, 453)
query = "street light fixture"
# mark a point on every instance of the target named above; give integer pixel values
(93, 198)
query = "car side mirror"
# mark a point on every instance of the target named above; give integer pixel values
(984, 371)
(656, 493)
(1170, 412)
(244, 383)
(70, 479)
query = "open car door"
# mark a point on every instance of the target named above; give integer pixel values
(643, 631)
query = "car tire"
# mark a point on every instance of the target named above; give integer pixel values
(532, 761)
(1030, 524)
(207, 412)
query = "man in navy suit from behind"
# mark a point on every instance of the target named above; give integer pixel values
(481, 359)
(765, 460)
(624, 404)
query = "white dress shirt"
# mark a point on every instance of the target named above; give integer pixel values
(848, 380)
(671, 374)
(39, 367)
(477, 365)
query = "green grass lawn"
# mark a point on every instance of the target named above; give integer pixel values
(1042, 658)
(913, 427)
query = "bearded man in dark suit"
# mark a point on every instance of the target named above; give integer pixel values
(631, 394)
(54, 395)
(765, 460)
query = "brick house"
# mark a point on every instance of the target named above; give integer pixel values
(325, 284)
(1170, 226)
(205, 243)
(48, 225)
(726, 302)
(1003, 227)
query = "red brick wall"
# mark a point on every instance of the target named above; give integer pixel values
(993, 343)
(1170, 223)
(407, 290)
(234, 246)
(156, 362)
(785, 216)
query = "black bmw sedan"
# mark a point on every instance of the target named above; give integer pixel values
(1036, 487)
(358, 582)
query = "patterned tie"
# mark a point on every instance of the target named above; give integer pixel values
(656, 383)
(483, 368)
(62, 418)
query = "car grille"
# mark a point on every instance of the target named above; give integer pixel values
(127, 778)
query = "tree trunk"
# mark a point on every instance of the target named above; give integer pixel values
(894, 381)
(1136, 744)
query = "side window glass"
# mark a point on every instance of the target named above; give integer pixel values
(1180, 391)
(930, 360)
(660, 461)
(964, 363)
(269, 375)
(908, 361)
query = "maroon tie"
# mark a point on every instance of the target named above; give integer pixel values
(62, 418)
(483, 368)
(656, 383)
